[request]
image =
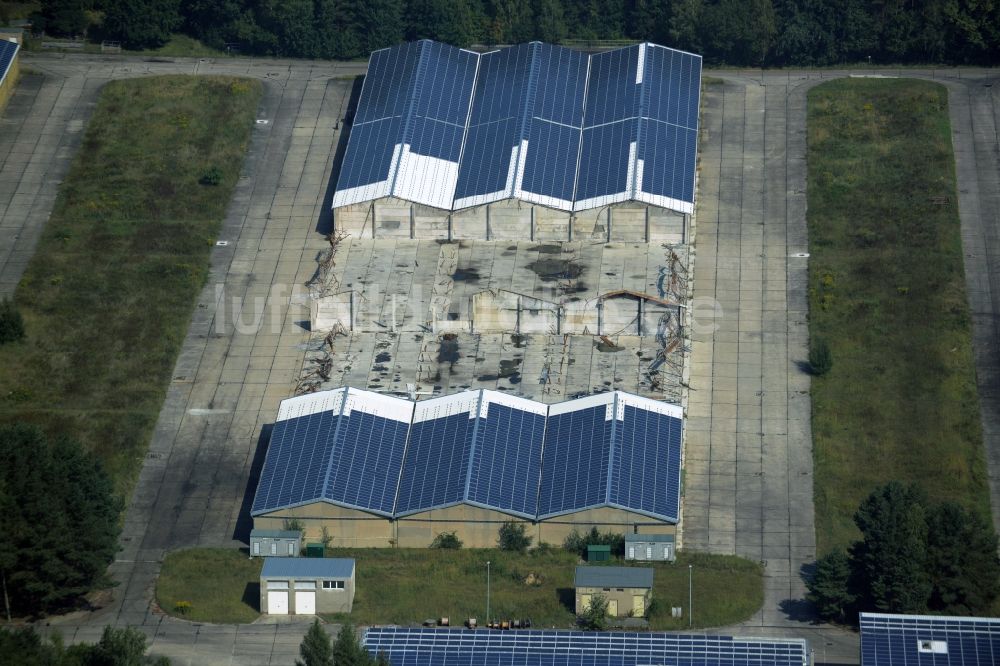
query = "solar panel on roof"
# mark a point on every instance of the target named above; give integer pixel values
(392, 457)
(8, 51)
(924, 640)
(503, 471)
(443, 647)
(538, 122)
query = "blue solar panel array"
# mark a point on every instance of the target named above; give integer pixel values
(436, 463)
(451, 647)
(922, 640)
(536, 121)
(575, 461)
(506, 460)
(645, 474)
(364, 467)
(8, 51)
(489, 454)
(297, 459)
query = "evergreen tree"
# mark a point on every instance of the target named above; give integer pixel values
(141, 24)
(337, 30)
(60, 490)
(891, 558)
(961, 561)
(380, 23)
(346, 649)
(550, 21)
(829, 588)
(64, 18)
(316, 648)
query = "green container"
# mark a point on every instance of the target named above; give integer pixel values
(598, 553)
(315, 550)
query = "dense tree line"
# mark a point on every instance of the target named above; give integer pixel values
(117, 647)
(914, 556)
(58, 518)
(733, 32)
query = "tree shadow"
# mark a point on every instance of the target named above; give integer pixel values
(244, 521)
(251, 596)
(324, 224)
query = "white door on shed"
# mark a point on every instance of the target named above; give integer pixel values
(277, 602)
(305, 602)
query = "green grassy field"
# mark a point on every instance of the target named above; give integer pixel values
(181, 46)
(887, 291)
(218, 584)
(109, 293)
(407, 586)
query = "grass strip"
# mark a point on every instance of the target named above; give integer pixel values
(406, 586)
(887, 292)
(109, 292)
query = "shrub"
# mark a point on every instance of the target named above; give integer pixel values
(182, 607)
(446, 540)
(820, 358)
(11, 324)
(513, 537)
(595, 617)
(295, 525)
(211, 177)
(577, 543)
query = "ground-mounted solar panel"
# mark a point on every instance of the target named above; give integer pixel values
(507, 454)
(298, 452)
(365, 463)
(437, 455)
(8, 51)
(646, 460)
(447, 647)
(576, 455)
(926, 640)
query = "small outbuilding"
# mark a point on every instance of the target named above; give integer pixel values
(275, 543)
(628, 590)
(306, 586)
(655, 547)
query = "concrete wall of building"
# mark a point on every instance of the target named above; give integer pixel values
(327, 601)
(606, 519)
(349, 528)
(510, 219)
(476, 527)
(10, 81)
(621, 600)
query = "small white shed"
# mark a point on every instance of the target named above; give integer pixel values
(650, 547)
(275, 543)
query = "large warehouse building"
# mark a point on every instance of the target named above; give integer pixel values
(529, 142)
(377, 470)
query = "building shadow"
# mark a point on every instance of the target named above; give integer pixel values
(244, 522)
(324, 224)
(567, 597)
(251, 596)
